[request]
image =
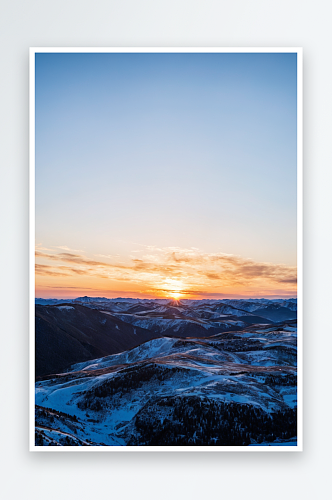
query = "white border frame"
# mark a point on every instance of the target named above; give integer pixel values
(299, 52)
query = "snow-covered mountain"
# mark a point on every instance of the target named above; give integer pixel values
(248, 305)
(89, 327)
(231, 388)
(186, 318)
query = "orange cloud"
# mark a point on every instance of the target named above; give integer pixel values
(162, 271)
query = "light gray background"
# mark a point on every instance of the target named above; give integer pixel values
(25, 23)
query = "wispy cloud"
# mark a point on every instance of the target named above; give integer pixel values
(49, 271)
(67, 249)
(162, 270)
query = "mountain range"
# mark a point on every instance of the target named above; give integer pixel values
(133, 372)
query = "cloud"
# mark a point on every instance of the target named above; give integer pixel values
(73, 259)
(48, 271)
(106, 256)
(69, 249)
(71, 287)
(290, 281)
(174, 269)
(58, 270)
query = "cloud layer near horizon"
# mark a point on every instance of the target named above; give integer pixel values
(161, 271)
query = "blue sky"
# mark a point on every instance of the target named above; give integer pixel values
(167, 150)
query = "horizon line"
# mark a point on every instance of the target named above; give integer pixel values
(167, 298)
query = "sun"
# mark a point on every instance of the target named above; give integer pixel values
(173, 287)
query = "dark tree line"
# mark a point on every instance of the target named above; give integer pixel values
(284, 380)
(126, 381)
(200, 422)
(40, 411)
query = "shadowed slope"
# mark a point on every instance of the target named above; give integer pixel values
(71, 333)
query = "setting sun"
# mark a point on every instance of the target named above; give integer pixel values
(173, 288)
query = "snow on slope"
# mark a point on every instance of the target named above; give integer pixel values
(159, 323)
(110, 396)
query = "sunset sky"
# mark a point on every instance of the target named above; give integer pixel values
(166, 175)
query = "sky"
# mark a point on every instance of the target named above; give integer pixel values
(166, 175)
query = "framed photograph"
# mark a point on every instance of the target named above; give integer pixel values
(166, 249)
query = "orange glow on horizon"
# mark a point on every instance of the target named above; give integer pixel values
(160, 273)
